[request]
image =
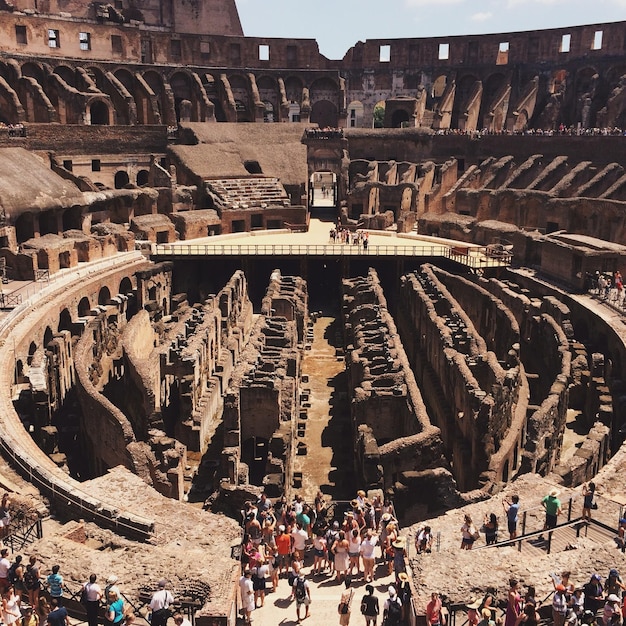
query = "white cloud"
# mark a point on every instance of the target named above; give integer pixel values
(483, 16)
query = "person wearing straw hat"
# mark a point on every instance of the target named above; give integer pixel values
(552, 506)
(399, 565)
(473, 608)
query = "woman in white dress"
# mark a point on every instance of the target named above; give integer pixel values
(10, 607)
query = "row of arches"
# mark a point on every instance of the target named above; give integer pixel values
(38, 92)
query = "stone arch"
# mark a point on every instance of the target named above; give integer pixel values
(492, 86)
(32, 349)
(8, 72)
(9, 113)
(104, 295)
(157, 85)
(73, 218)
(65, 321)
(324, 89)
(68, 74)
(126, 286)
(400, 118)
(584, 102)
(139, 96)
(325, 114)
(99, 112)
(121, 179)
(463, 89)
(34, 70)
(270, 96)
(439, 86)
(48, 224)
(84, 307)
(240, 91)
(48, 336)
(143, 177)
(355, 114)
(25, 227)
(293, 89)
(182, 89)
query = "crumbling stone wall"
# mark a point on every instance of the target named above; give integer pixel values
(392, 430)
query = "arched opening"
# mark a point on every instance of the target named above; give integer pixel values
(294, 112)
(24, 227)
(324, 113)
(142, 178)
(126, 287)
(268, 112)
(439, 86)
(65, 321)
(492, 86)
(239, 88)
(84, 307)
(400, 119)
(73, 219)
(99, 113)
(104, 296)
(31, 352)
(181, 88)
(47, 336)
(461, 98)
(121, 179)
(48, 224)
(270, 96)
(322, 190)
(505, 471)
(378, 118)
(67, 74)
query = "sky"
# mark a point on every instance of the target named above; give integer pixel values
(338, 24)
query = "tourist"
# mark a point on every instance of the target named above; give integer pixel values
(5, 564)
(90, 598)
(469, 533)
(399, 564)
(594, 591)
(16, 576)
(180, 620)
(404, 594)
(253, 529)
(11, 613)
(433, 610)
(611, 607)
(259, 576)
(473, 611)
(391, 534)
(369, 606)
(552, 506)
(563, 580)
(559, 605)
(392, 609)
(490, 528)
(32, 582)
(589, 492)
(341, 558)
(299, 537)
(577, 603)
(528, 616)
(511, 508)
(31, 617)
(160, 604)
(345, 603)
(613, 584)
(246, 589)
(368, 547)
(320, 552)
(55, 584)
(302, 594)
(115, 610)
(424, 540)
(283, 545)
(530, 596)
(354, 551)
(111, 586)
(58, 614)
(620, 539)
(5, 515)
(513, 604)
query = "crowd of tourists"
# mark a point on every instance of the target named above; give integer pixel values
(13, 130)
(32, 597)
(345, 236)
(562, 131)
(343, 548)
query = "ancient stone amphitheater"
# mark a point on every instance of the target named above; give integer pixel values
(173, 318)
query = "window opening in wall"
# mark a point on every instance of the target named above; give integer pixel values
(264, 52)
(84, 41)
(95, 165)
(503, 53)
(205, 49)
(20, 34)
(146, 50)
(54, 41)
(67, 164)
(444, 51)
(384, 54)
(597, 40)
(176, 49)
(566, 42)
(116, 44)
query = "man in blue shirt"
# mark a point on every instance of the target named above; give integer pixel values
(58, 616)
(55, 584)
(511, 509)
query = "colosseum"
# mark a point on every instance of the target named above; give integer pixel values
(180, 333)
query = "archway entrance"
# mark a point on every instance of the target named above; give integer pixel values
(323, 190)
(99, 113)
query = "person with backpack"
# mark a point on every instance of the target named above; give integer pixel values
(345, 603)
(392, 609)
(302, 593)
(16, 576)
(32, 582)
(369, 606)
